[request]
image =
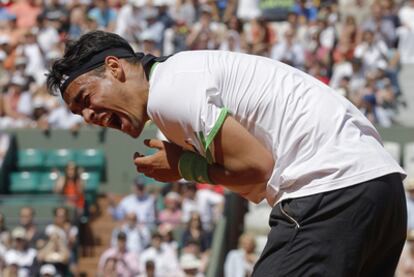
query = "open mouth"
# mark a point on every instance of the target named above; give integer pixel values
(115, 121)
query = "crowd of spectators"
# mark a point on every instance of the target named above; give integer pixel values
(30, 250)
(162, 230)
(354, 46)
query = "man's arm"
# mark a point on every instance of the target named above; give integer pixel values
(240, 158)
(242, 163)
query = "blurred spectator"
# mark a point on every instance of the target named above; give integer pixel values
(175, 38)
(360, 9)
(289, 51)
(193, 248)
(203, 34)
(103, 15)
(57, 14)
(47, 33)
(240, 262)
(153, 28)
(62, 118)
(382, 27)
(167, 233)
(109, 269)
(406, 14)
(78, 23)
(165, 259)
(138, 235)
(130, 20)
(149, 270)
(149, 44)
(347, 38)
(68, 233)
(260, 37)
(72, 187)
(406, 33)
(372, 52)
(172, 213)
(55, 253)
(34, 235)
(248, 9)
(195, 231)
(17, 103)
(61, 226)
(306, 9)
(30, 49)
(342, 68)
(26, 12)
(405, 266)
(206, 202)
(48, 270)
(317, 53)
(20, 254)
(126, 262)
(190, 266)
(139, 202)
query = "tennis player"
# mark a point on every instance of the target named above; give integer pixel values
(264, 130)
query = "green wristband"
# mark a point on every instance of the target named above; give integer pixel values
(194, 167)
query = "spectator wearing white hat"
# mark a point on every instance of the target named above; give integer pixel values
(190, 265)
(20, 254)
(48, 270)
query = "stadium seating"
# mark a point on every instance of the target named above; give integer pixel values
(36, 170)
(90, 159)
(31, 159)
(24, 182)
(59, 158)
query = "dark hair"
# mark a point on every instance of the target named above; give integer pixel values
(80, 51)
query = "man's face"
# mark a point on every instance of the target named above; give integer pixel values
(108, 100)
(26, 217)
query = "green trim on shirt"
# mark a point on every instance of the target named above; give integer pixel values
(223, 114)
(207, 142)
(152, 69)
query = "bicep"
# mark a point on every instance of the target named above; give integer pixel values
(239, 151)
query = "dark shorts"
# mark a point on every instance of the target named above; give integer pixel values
(355, 231)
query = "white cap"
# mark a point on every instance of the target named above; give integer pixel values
(137, 3)
(189, 261)
(48, 269)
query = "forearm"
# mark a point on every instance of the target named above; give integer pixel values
(249, 184)
(221, 175)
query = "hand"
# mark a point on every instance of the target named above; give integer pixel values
(163, 165)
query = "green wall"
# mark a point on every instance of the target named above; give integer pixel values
(119, 148)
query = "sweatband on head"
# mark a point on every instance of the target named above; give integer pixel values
(95, 61)
(194, 167)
